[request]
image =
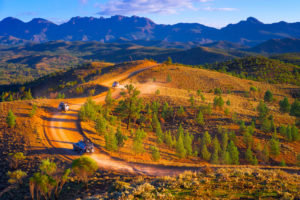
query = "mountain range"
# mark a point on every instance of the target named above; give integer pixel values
(249, 32)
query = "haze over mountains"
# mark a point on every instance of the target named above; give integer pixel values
(249, 32)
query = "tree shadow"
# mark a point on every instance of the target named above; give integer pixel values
(57, 119)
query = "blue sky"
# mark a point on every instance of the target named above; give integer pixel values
(216, 13)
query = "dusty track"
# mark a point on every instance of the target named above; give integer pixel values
(63, 129)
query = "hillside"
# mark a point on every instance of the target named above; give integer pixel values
(260, 69)
(225, 45)
(178, 124)
(27, 62)
(277, 46)
(139, 28)
(293, 58)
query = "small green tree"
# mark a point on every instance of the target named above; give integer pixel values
(101, 125)
(11, 119)
(205, 153)
(200, 118)
(218, 102)
(84, 167)
(28, 95)
(188, 140)
(226, 158)
(224, 141)
(120, 138)
(155, 153)
(234, 153)
(274, 147)
(206, 139)
(298, 160)
(263, 111)
(248, 139)
(295, 109)
(268, 96)
(285, 106)
(216, 151)
(217, 91)
(295, 133)
(168, 138)
(131, 106)
(169, 61)
(282, 163)
(266, 154)
(169, 78)
(192, 101)
(249, 156)
(180, 150)
(111, 143)
(109, 101)
(228, 103)
(138, 146)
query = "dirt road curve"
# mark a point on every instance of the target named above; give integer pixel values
(61, 131)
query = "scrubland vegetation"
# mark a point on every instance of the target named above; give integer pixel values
(192, 118)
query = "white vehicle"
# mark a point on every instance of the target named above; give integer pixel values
(116, 84)
(63, 107)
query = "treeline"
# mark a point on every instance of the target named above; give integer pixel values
(55, 85)
(259, 69)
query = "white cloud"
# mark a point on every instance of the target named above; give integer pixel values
(127, 7)
(83, 1)
(219, 9)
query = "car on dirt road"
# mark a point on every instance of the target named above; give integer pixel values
(63, 107)
(116, 84)
(84, 146)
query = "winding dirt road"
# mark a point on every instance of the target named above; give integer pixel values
(61, 130)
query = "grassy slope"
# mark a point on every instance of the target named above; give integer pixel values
(185, 82)
(260, 69)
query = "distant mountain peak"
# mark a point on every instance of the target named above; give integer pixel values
(40, 21)
(253, 20)
(11, 20)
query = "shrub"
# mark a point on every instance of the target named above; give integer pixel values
(228, 103)
(33, 111)
(155, 153)
(89, 110)
(11, 119)
(268, 96)
(15, 159)
(217, 91)
(285, 106)
(295, 109)
(84, 167)
(218, 102)
(16, 177)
